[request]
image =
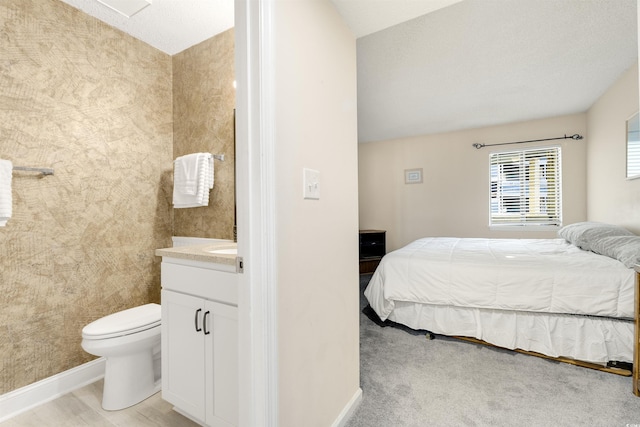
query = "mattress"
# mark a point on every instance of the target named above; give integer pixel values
(522, 275)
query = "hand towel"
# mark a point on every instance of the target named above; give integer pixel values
(205, 181)
(6, 171)
(185, 174)
(191, 188)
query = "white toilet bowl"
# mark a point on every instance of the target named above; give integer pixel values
(130, 342)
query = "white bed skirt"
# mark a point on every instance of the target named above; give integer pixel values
(587, 338)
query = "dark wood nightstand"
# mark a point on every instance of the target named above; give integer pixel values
(372, 248)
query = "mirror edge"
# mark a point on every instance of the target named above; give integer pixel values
(634, 120)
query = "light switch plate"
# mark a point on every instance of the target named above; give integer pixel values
(311, 184)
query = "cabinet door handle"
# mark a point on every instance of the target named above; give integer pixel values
(198, 329)
(204, 323)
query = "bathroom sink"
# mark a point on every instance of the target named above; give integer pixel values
(224, 251)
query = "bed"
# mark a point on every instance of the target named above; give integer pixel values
(570, 298)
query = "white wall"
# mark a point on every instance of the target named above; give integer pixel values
(611, 197)
(317, 240)
(454, 198)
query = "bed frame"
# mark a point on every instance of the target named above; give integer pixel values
(618, 368)
(622, 369)
(609, 369)
(635, 370)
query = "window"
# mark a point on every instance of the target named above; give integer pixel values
(526, 188)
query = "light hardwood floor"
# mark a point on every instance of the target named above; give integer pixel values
(83, 408)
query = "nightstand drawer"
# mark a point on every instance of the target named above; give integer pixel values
(373, 247)
(372, 243)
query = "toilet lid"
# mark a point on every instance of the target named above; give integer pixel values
(124, 322)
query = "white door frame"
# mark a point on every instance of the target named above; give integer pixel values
(255, 198)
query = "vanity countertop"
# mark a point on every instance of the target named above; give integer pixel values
(202, 252)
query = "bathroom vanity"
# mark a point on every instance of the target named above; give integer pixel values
(200, 332)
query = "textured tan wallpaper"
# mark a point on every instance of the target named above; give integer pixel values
(203, 100)
(95, 105)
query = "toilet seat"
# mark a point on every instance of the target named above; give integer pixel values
(125, 322)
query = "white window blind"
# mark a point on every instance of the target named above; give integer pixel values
(633, 147)
(526, 187)
(633, 158)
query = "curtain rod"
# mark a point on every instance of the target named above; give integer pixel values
(574, 136)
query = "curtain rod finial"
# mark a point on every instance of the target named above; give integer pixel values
(576, 136)
(477, 146)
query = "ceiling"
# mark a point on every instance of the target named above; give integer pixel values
(168, 25)
(480, 63)
(430, 66)
(175, 25)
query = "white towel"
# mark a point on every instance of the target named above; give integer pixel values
(185, 174)
(6, 171)
(193, 178)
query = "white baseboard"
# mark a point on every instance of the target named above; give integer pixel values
(348, 410)
(21, 400)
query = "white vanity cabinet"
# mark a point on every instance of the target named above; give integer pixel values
(200, 341)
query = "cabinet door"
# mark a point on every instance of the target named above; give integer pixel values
(183, 352)
(221, 342)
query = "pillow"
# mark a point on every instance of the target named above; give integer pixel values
(625, 249)
(584, 234)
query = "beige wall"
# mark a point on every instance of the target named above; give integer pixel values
(613, 198)
(317, 258)
(95, 105)
(453, 200)
(203, 102)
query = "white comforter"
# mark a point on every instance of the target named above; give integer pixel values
(533, 275)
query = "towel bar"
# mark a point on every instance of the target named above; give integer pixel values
(43, 171)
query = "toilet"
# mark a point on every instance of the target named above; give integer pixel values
(130, 342)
